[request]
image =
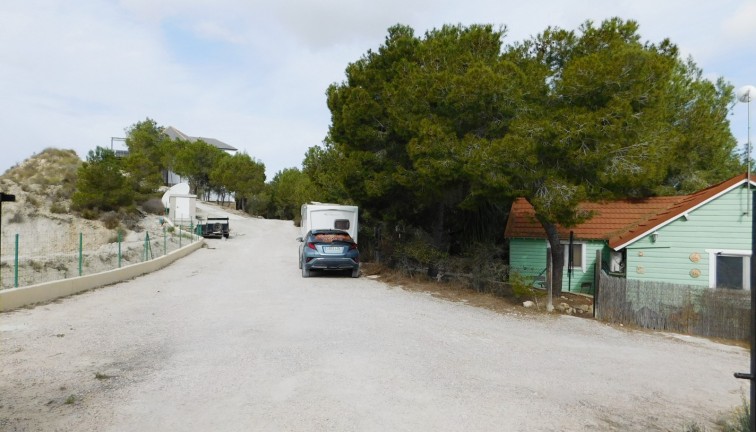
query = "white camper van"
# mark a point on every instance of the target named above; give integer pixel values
(330, 216)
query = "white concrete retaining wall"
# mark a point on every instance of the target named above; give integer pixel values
(18, 297)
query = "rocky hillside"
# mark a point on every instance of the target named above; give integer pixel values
(48, 231)
(49, 175)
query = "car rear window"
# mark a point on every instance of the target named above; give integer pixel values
(330, 238)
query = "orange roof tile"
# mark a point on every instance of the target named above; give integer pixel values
(619, 222)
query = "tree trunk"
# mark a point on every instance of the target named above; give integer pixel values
(557, 255)
(438, 237)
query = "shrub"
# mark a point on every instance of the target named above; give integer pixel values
(120, 232)
(693, 427)
(487, 265)
(740, 421)
(16, 218)
(418, 252)
(57, 207)
(110, 220)
(90, 214)
(32, 201)
(522, 287)
(154, 206)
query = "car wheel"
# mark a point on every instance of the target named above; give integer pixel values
(300, 263)
(305, 272)
(356, 272)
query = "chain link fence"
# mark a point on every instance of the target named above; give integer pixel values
(28, 258)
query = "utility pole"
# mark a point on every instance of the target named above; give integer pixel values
(745, 375)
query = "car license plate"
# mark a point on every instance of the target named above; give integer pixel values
(332, 249)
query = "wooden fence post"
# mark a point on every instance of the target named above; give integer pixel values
(596, 283)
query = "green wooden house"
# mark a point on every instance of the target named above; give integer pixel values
(702, 239)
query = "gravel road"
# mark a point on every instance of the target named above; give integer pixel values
(231, 338)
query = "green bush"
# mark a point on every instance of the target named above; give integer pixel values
(101, 184)
(522, 286)
(90, 214)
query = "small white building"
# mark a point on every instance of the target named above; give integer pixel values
(182, 209)
(180, 205)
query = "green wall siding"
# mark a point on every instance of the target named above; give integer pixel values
(528, 257)
(720, 224)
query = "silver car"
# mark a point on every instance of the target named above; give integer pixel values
(328, 249)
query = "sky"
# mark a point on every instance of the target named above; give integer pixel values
(253, 73)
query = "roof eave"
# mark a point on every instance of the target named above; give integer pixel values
(677, 216)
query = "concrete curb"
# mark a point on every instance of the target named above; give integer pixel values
(19, 297)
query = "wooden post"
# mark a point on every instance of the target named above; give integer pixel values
(549, 292)
(3, 198)
(596, 282)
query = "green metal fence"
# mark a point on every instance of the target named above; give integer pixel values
(29, 259)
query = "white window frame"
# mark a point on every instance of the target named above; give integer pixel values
(745, 254)
(565, 246)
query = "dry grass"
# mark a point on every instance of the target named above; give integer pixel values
(459, 292)
(52, 172)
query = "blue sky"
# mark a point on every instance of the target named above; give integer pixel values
(254, 73)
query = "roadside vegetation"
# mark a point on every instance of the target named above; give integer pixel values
(736, 421)
(433, 136)
(108, 183)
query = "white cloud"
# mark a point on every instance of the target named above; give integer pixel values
(254, 73)
(742, 24)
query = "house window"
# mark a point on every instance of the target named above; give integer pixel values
(729, 269)
(729, 272)
(578, 256)
(342, 224)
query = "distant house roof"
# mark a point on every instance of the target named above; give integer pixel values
(620, 222)
(174, 133)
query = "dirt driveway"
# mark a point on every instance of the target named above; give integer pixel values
(232, 338)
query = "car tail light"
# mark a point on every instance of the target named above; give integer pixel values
(353, 246)
(311, 245)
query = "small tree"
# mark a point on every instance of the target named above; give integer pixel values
(289, 189)
(145, 162)
(195, 160)
(101, 184)
(240, 175)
